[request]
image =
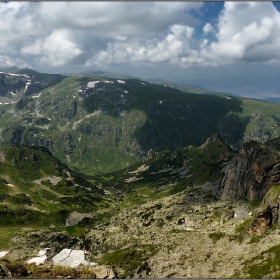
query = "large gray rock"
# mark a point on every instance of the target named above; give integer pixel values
(251, 173)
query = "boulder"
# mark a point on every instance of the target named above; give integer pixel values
(5, 272)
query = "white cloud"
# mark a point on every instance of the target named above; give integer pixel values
(7, 61)
(37, 30)
(208, 28)
(175, 45)
(90, 33)
(56, 49)
(245, 32)
(248, 31)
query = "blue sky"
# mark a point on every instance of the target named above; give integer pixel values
(229, 47)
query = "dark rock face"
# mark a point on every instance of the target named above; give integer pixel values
(251, 173)
(272, 201)
(261, 222)
(268, 213)
(5, 272)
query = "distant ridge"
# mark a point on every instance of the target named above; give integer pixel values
(106, 74)
(183, 87)
(12, 70)
(273, 100)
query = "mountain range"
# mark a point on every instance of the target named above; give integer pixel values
(98, 124)
(157, 179)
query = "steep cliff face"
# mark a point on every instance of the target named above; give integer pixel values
(251, 173)
(267, 214)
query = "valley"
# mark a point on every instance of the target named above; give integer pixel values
(155, 181)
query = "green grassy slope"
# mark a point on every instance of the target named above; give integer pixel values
(115, 123)
(37, 190)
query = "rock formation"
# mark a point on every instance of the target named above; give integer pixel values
(251, 173)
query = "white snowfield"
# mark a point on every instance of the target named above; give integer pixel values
(72, 258)
(3, 253)
(92, 84)
(19, 75)
(27, 85)
(121, 81)
(41, 257)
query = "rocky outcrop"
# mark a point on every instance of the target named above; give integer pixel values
(251, 173)
(261, 222)
(4, 271)
(267, 214)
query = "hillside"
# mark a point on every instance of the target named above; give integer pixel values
(169, 216)
(37, 191)
(97, 124)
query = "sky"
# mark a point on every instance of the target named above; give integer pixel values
(231, 47)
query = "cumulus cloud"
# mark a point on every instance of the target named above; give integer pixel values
(175, 45)
(56, 49)
(99, 33)
(208, 28)
(246, 32)
(57, 33)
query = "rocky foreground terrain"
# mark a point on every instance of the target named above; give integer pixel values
(224, 226)
(186, 235)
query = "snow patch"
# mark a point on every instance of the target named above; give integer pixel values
(133, 179)
(26, 86)
(140, 169)
(125, 91)
(72, 258)
(41, 257)
(92, 84)
(121, 81)
(3, 253)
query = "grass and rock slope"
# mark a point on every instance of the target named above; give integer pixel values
(162, 195)
(163, 217)
(98, 124)
(38, 191)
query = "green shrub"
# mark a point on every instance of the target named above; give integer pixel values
(216, 236)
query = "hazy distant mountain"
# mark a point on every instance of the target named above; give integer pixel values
(273, 100)
(106, 74)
